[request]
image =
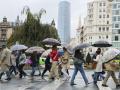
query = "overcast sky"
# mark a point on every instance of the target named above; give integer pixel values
(12, 8)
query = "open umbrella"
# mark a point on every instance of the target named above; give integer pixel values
(110, 54)
(81, 46)
(51, 41)
(18, 47)
(46, 53)
(102, 43)
(35, 48)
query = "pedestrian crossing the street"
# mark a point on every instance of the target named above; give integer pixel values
(44, 84)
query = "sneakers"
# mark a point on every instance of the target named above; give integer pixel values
(104, 85)
(8, 79)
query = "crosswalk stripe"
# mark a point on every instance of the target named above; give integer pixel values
(99, 84)
(53, 85)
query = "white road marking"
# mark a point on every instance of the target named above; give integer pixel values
(101, 87)
(53, 85)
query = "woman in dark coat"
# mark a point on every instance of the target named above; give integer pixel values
(78, 60)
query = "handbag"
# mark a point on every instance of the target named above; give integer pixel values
(78, 61)
(94, 64)
(64, 61)
(29, 61)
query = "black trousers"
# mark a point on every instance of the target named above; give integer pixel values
(47, 68)
(21, 71)
(12, 69)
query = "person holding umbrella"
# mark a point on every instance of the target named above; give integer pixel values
(78, 60)
(34, 60)
(5, 62)
(110, 66)
(22, 60)
(99, 62)
(54, 68)
(65, 64)
(47, 66)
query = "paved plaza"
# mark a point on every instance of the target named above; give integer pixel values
(40, 84)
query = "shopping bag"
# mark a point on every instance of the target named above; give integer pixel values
(42, 61)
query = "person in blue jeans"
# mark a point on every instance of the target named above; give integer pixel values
(78, 64)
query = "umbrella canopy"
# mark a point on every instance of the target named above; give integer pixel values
(35, 48)
(81, 46)
(18, 47)
(110, 54)
(51, 41)
(46, 53)
(102, 43)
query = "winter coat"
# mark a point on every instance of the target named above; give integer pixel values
(99, 63)
(65, 60)
(54, 55)
(5, 59)
(22, 59)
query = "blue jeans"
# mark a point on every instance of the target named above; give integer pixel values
(79, 68)
(33, 71)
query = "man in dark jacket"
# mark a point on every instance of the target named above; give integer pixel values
(47, 66)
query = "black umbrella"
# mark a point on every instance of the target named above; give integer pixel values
(81, 46)
(102, 43)
(51, 41)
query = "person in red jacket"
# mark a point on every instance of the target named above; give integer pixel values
(54, 69)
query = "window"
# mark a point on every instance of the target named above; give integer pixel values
(100, 16)
(107, 16)
(118, 31)
(99, 28)
(119, 6)
(107, 36)
(107, 22)
(100, 4)
(114, 18)
(99, 37)
(103, 4)
(103, 28)
(100, 10)
(107, 28)
(118, 18)
(116, 25)
(103, 10)
(103, 16)
(117, 12)
(114, 6)
(116, 38)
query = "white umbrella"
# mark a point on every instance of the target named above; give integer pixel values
(110, 54)
(18, 47)
(51, 41)
(35, 48)
(46, 53)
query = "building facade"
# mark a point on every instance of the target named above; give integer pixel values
(116, 23)
(98, 23)
(64, 21)
(5, 31)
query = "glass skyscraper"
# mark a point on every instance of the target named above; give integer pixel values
(64, 21)
(116, 23)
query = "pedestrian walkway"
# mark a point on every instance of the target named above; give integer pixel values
(44, 84)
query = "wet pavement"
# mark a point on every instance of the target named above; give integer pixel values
(40, 84)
